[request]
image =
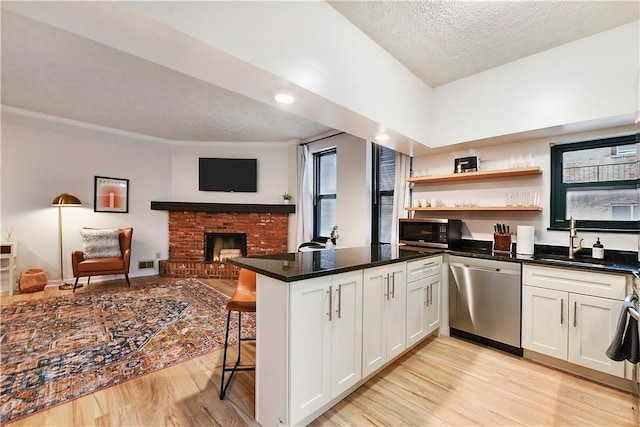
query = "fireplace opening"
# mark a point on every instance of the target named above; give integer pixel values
(220, 246)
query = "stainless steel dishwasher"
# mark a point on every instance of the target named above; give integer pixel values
(485, 301)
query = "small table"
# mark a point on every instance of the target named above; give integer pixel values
(8, 256)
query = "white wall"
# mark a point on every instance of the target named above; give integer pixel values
(273, 171)
(479, 225)
(343, 79)
(590, 79)
(354, 188)
(41, 159)
(308, 45)
(45, 156)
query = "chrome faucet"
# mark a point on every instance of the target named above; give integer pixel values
(572, 235)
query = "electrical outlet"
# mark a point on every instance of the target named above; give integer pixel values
(157, 255)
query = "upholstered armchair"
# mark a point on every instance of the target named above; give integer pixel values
(104, 252)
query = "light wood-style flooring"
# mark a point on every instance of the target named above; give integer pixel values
(442, 381)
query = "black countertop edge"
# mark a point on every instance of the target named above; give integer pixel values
(250, 263)
(284, 267)
(222, 207)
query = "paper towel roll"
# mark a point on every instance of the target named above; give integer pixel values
(524, 239)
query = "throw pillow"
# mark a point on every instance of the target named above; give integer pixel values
(100, 243)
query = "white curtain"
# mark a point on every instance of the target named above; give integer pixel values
(401, 193)
(304, 208)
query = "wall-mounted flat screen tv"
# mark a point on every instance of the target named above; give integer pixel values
(230, 175)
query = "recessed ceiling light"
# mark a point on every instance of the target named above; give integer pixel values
(382, 137)
(284, 98)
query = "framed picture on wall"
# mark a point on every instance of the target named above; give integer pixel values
(111, 195)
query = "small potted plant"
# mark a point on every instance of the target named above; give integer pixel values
(286, 197)
(334, 234)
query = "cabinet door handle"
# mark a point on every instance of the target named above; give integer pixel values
(339, 301)
(393, 285)
(330, 304)
(561, 311)
(575, 313)
(386, 284)
(428, 265)
(431, 294)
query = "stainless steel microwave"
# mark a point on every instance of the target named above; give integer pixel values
(430, 232)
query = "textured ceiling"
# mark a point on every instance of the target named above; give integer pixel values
(49, 70)
(442, 41)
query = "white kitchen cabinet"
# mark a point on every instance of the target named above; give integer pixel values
(424, 281)
(346, 331)
(383, 316)
(325, 343)
(592, 325)
(433, 305)
(562, 318)
(544, 321)
(319, 339)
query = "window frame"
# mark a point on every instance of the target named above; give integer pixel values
(559, 189)
(317, 197)
(376, 193)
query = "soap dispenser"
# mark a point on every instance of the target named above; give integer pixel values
(598, 250)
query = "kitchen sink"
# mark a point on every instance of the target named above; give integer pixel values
(564, 259)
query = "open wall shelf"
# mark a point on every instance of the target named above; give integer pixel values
(471, 176)
(479, 208)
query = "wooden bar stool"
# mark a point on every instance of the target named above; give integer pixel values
(242, 301)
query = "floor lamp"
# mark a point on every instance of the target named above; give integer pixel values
(61, 201)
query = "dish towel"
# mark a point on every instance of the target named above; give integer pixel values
(626, 341)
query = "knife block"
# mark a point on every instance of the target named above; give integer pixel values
(502, 242)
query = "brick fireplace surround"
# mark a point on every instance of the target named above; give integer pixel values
(266, 228)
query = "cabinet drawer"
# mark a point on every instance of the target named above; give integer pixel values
(577, 281)
(424, 267)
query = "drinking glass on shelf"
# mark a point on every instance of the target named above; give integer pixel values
(510, 200)
(516, 201)
(526, 198)
(530, 160)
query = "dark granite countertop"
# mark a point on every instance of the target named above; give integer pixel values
(556, 261)
(614, 262)
(295, 266)
(290, 267)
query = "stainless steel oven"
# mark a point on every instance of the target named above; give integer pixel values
(431, 232)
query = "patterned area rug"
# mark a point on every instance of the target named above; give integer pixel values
(57, 349)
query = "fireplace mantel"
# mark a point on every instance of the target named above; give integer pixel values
(221, 207)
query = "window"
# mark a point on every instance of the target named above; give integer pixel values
(384, 173)
(596, 182)
(324, 193)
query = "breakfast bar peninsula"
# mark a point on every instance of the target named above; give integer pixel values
(328, 320)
